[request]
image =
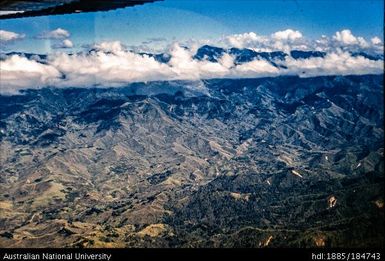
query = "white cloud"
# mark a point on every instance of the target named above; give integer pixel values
(287, 35)
(66, 43)
(346, 40)
(7, 36)
(114, 47)
(334, 63)
(58, 33)
(289, 39)
(376, 40)
(278, 41)
(18, 73)
(107, 68)
(256, 68)
(362, 42)
(226, 60)
(346, 37)
(245, 40)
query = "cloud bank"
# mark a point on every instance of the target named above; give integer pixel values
(110, 64)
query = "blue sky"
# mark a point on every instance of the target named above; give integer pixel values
(185, 19)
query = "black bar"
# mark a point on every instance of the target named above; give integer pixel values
(198, 254)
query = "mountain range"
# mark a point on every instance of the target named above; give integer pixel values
(268, 162)
(214, 53)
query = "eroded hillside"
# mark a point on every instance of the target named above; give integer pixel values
(269, 162)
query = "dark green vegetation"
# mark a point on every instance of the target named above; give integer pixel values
(286, 161)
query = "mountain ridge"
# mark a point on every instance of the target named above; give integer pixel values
(236, 164)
